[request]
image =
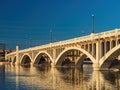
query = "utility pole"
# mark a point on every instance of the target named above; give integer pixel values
(92, 23)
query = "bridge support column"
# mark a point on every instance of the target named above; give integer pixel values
(96, 66)
(98, 51)
(17, 55)
(54, 58)
(32, 61)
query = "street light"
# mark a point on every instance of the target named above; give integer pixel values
(92, 23)
(50, 35)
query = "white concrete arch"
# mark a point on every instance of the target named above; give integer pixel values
(61, 56)
(112, 54)
(26, 54)
(41, 53)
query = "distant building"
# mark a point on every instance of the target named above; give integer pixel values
(2, 46)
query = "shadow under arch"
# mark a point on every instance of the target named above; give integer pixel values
(60, 58)
(83, 59)
(26, 59)
(110, 56)
(14, 60)
(10, 59)
(42, 57)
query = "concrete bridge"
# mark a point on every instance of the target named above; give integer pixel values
(101, 48)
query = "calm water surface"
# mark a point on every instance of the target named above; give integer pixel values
(31, 78)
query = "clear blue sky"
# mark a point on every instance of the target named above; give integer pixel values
(28, 22)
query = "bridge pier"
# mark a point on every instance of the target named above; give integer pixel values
(31, 63)
(52, 65)
(96, 66)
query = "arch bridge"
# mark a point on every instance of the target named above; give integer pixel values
(100, 48)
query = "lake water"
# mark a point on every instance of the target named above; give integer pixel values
(31, 78)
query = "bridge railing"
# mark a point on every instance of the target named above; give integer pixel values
(107, 34)
(86, 38)
(70, 41)
(10, 54)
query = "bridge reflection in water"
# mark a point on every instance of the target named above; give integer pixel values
(46, 78)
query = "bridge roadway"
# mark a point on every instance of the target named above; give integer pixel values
(101, 48)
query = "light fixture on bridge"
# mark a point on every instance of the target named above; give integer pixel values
(92, 23)
(51, 36)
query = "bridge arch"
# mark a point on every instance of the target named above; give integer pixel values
(26, 59)
(110, 55)
(42, 55)
(61, 56)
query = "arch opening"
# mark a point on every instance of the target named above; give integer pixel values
(111, 60)
(67, 61)
(10, 59)
(73, 57)
(26, 60)
(84, 62)
(107, 46)
(42, 60)
(113, 43)
(68, 58)
(118, 41)
(102, 49)
(14, 60)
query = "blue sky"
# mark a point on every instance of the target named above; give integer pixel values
(28, 22)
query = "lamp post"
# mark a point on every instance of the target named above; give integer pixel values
(92, 23)
(50, 35)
